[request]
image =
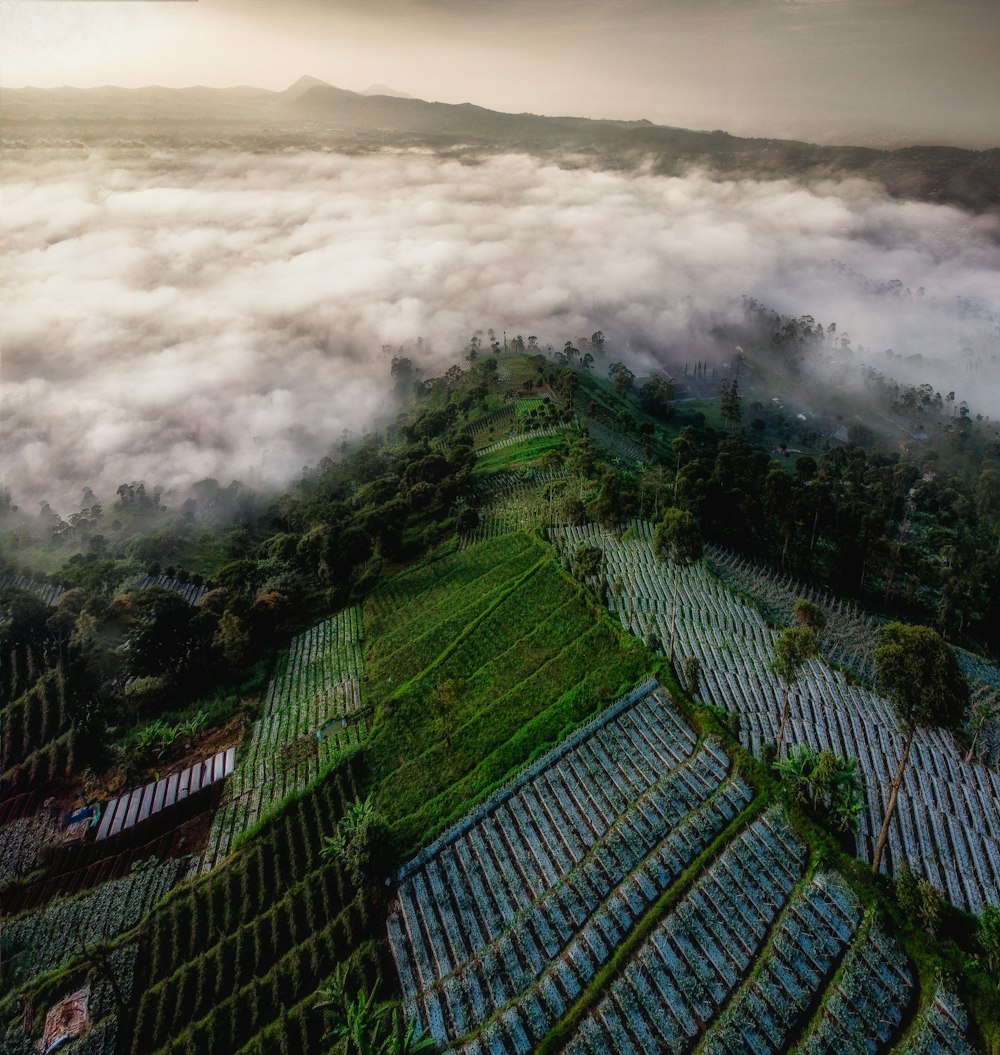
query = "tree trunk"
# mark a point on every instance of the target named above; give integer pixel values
(781, 728)
(883, 835)
(673, 611)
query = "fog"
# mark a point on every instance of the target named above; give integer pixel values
(171, 316)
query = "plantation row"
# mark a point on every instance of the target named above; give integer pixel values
(850, 635)
(46, 938)
(22, 842)
(29, 723)
(940, 1028)
(47, 591)
(503, 921)
(191, 593)
(692, 963)
(239, 955)
(517, 501)
(53, 761)
(614, 442)
(20, 668)
(490, 426)
(313, 714)
(946, 823)
(522, 437)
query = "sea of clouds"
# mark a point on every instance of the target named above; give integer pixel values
(168, 316)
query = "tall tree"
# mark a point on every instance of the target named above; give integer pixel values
(919, 673)
(678, 541)
(793, 648)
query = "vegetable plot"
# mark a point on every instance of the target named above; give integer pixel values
(502, 922)
(313, 712)
(947, 822)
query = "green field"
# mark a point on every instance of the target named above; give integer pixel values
(529, 655)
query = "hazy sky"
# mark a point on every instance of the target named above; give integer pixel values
(873, 71)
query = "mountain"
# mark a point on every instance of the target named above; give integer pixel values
(384, 89)
(311, 113)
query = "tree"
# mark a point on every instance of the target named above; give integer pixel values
(985, 708)
(678, 541)
(731, 405)
(825, 783)
(988, 936)
(621, 377)
(919, 673)
(793, 648)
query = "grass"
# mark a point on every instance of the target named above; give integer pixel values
(519, 455)
(533, 657)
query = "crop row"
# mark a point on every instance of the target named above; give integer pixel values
(255, 937)
(48, 592)
(48, 937)
(529, 507)
(805, 948)
(22, 842)
(851, 634)
(314, 713)
(614, 442)
(521, 437)
(682, 975)
(866, 1005)
(940, 1028)
(188, 590)
(32, 721)
(946, 823)
(20, 667)
(421, 594)
(553, 872)
(51, 762)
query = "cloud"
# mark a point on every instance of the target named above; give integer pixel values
(173, 315)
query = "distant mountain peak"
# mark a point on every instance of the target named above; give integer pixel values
(384, 89)
(303, 84)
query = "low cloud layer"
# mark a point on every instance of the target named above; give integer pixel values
(171, 316)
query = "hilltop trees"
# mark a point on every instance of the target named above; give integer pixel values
(920, 674)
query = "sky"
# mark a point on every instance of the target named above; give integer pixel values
(875, 72)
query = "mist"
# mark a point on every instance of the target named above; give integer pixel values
(169, 316)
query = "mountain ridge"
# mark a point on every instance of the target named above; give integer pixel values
(311, 113)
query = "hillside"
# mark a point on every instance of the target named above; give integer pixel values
(471, 794)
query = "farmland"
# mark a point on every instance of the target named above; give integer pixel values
(312, 714)
(563, 914)
(945, 802)
(561, 848)
(528, 650)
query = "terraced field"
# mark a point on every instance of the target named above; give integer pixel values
(504, 652)
(947, 823)
(851, 634)
(313, 713)
(513, 501)
(501, 928)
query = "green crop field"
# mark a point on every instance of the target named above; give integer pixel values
(529, 656)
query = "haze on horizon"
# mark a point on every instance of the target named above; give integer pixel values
(828, 71)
